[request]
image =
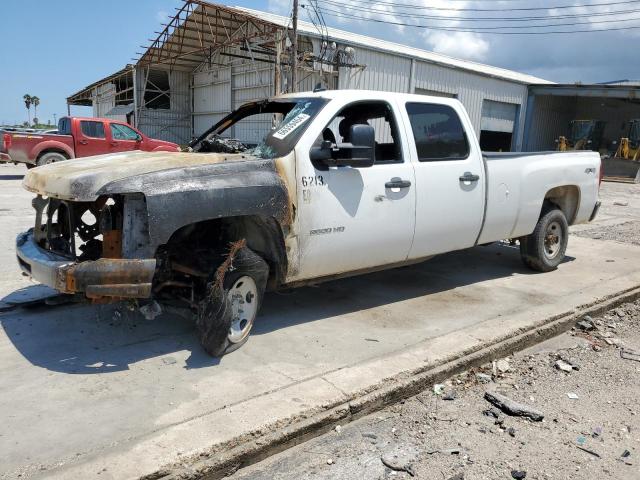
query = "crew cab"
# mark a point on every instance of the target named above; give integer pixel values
(345, 182)
(77, 137)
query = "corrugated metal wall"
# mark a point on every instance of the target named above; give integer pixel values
(385, 71)
(217, 89)
(104, 99)
(549, 119)
(172, 124)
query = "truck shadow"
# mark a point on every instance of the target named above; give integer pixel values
(84, 339)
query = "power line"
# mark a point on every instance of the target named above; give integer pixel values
(555, 7)
(503, 27)
(481, 19)
(474, 30)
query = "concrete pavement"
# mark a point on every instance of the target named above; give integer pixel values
(101, 392)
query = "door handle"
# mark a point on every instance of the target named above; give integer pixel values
(397, 184)
(83, 142)
(114, 144)
(469, 177)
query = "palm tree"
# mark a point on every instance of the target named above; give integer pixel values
(27, 103)
(36, 102)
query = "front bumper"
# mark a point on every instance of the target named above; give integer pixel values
(4, 157)
(110, 278)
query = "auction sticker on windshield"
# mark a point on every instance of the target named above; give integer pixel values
(295, 122)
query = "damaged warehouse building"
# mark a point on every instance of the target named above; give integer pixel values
(209, 59)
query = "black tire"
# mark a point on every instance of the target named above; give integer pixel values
(219, 330)
(545, 248)
(50, 157)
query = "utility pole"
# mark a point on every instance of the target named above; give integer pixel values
(294, 48)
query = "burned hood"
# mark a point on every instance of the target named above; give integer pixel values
(85, 179)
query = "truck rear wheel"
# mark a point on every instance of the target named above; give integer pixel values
(545, 248)
(233, 298)
(50, 157)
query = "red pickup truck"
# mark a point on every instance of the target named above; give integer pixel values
(77, 137)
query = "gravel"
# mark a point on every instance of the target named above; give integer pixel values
(594, 436)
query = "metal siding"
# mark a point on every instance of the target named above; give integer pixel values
(174, 124)
(472, 89)
(383, 71)
(550, 118)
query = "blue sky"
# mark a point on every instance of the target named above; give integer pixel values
(52, 49)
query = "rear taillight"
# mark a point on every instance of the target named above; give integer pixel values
(6, 142)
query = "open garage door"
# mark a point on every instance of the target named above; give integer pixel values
(497, 126)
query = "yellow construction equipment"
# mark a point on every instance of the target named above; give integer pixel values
(629, 147)
(584, 135)
(624, 165)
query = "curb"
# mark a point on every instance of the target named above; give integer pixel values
(227, 462)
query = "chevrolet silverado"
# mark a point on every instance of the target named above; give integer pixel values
(344, 182)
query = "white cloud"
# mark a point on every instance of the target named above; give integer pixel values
(458, 44)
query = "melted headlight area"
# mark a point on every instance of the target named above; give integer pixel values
(80, 230)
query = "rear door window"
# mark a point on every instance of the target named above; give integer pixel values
(437, 132)
(92, 129)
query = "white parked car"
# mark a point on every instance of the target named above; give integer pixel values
(346, 182)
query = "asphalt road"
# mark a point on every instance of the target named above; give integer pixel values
(90, 390)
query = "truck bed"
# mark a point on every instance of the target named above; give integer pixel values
(517, 182)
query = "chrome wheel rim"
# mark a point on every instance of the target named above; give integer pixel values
(243, 298)
(553, 238)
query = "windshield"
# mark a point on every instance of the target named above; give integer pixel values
(266, 129)
(581, 130)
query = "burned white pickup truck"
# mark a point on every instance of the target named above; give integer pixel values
(345, 182)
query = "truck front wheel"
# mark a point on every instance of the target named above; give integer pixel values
(545, 248)
(233, 298)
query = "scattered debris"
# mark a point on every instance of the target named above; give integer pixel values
(596, 432)
(446, 451)
(590, 452)
(370, 435)
(511, 431)
(450, 395)
(512, 407)
(168, 360)
(573, 396)
(581, 440)
(630, 354)
(483, 378)
(518, 474)
(399, 460)
(457, 476)
(338, 429)
(151, 310)
(371, 340)
(564, 366)
(625, 454)
(586, 324)
(502, 365)
(438, 389)
(329, 461)
(621, 204)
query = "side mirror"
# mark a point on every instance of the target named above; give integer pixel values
(138, 137)
(360, 153)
